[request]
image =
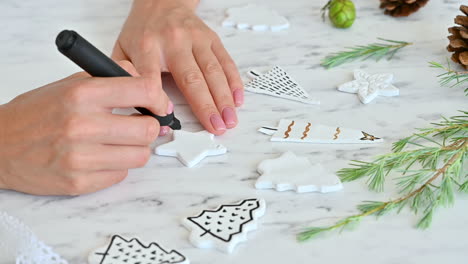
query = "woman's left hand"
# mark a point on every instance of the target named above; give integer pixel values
(166, 35)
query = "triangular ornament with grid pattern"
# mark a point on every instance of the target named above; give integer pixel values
(277, 82)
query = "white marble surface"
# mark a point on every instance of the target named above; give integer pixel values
(151, 202)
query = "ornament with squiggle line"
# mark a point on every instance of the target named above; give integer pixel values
(304, 131)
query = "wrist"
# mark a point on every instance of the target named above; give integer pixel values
(3, 125)
(149, 4)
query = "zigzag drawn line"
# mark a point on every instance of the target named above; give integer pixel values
(338, 131)
(286, 134)
(307, 129)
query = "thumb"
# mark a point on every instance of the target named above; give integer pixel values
(128, 67)
(148, 65)
(162, 104)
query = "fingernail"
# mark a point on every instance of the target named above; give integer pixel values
(170, 107)
(163, 131)
(217, 122)
(229, 116)
(238, 95)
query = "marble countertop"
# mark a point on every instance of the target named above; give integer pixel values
(151, 202)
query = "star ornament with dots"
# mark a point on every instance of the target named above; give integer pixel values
(226, 226)
(368, 87)
(190, 148)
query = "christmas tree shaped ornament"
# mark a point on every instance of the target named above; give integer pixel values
(290, 172)
(278, 83)
(18, 244)
(459, 39)
(190, 148)
(402, 8)
(342, 13)
(256, 18)
(226, 226)
(304, 131)
(368, 87)
(123, 251)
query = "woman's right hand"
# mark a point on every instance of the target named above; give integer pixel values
(63, 139)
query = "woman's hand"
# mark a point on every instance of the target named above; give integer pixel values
(166, 35)
(62, 139)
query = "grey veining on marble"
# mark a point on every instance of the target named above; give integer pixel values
(151, 202)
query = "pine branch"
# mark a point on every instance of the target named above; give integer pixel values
(451, 77)
(375, 50)
(423, 189)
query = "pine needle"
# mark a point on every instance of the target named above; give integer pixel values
(451, 78)
(431, 165)
(375, 50)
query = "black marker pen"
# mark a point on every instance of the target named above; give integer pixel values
(97, 64)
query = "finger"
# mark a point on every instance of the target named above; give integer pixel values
(191, 82)
(165, 129)
(109, 157)
(117, 53)
(128, 67)
(231, 72)
(217, 83)
(148, 65)
(113, 129)
(128, 92)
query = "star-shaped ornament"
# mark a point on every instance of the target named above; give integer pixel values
(291, 172)
(190, 148)
(368, 87)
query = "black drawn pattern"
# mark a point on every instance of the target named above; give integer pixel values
(277, 82)
(368, 137)
(122, 251)
(226, 221)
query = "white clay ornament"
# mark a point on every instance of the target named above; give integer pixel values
(123, 251)
(256, 18)
(301, 131)
(278, 83)
(226, 226)
(190, 148)
(290, 172)
(368, 87)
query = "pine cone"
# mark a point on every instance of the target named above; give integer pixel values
(459, 39)
(402, 8)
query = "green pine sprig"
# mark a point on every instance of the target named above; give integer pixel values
(430, 163)
(451, 77)
(375, 50)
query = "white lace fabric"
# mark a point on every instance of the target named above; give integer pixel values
(19, 245)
